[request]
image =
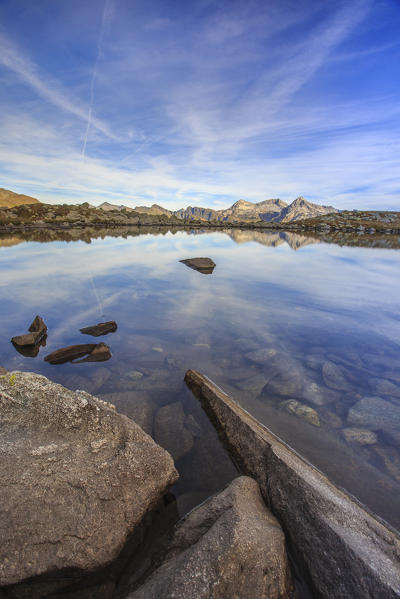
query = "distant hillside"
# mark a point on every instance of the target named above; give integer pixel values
(272, 210)
(9, 199)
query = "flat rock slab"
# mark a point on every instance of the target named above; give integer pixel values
(102, 328)
(76, 478)
(230, 546)
(342, 549)
(204, 265)
(94, 352)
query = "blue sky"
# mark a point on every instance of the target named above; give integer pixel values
(201, 102)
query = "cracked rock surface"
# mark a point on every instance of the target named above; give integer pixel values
(76, 478)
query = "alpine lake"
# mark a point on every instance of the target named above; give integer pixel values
(304, 335)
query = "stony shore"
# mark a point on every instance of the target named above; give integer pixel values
(82, 486)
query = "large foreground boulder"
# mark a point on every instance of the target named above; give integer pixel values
(76, 478)
(231, 546)
(342, 550)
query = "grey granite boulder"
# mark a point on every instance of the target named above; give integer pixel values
(230, 546)
(76, 478)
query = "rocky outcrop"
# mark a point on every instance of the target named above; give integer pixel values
(204, 265)
(230, 546)
(342, 549)
(76, 478)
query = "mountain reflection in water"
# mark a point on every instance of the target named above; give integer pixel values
(294, 240)
(302, 339)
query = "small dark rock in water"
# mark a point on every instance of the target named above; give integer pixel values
(203, 265)
(28, 344)
(2, 370)
(103, 328)
(95, 352)
(30, 351)
(38, 326)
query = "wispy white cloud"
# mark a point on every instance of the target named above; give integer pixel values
(45, 86)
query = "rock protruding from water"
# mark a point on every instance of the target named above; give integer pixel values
(204, 265)
(342, 549)
(231, 546)
(94, 352)
(28, 344)
(76, 478)
(102, 328)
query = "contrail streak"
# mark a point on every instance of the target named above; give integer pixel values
(99, 44)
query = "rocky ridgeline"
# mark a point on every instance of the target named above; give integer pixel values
(69, 216)
(242, 211)
(362, 222)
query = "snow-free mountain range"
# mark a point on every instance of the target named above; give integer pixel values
(272, 210)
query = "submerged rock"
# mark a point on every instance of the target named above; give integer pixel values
(76, 478)
(103, 328)
(170, 430)
(204, 265)
(360, 436)
(301, 411)
(230, 546)
(138, 406)
(99, 352)
(384, 387)
(333, 377)
(254, 384)
(375, 413)
(261, 356)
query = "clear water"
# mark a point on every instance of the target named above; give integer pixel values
(326, 317)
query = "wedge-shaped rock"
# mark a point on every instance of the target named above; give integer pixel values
(203, 265)
(102, 328)
(231, 546)
(76, 478)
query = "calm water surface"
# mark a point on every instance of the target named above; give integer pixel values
(302, 334)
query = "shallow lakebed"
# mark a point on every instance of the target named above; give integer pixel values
(304, 335)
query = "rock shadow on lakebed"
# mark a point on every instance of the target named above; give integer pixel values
(204, 265)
